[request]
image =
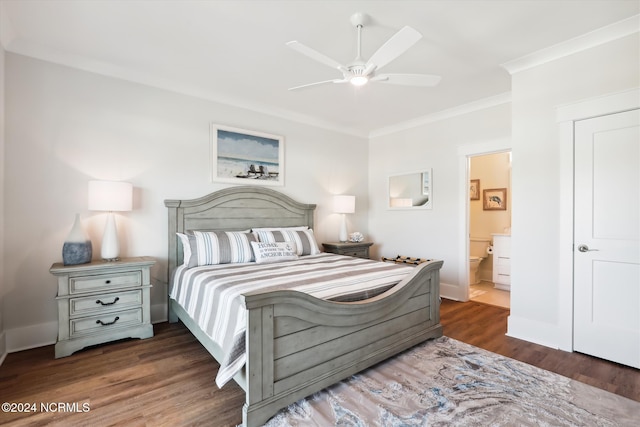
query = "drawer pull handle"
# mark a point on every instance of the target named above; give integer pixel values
(100, 322)
(108, 303)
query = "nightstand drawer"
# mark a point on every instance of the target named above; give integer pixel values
(359, 250)
(359, 253)
(105, 302)
(104, 322)
(104, 281)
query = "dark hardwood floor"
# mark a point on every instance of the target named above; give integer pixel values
(485, 326)
(168, 380)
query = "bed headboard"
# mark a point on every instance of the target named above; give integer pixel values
(232, 209)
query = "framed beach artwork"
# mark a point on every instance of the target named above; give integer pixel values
(246, 157)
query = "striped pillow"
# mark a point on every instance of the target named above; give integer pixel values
(302, 237)
(216, 247)
(188, 249)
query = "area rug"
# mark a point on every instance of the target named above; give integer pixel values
(444, 382)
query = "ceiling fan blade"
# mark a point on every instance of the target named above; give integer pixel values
(314, 54)
(394, 47)
(318, 84)
(408, 79)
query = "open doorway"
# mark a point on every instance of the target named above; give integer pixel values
(489, 225)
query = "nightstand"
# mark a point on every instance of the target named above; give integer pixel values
(102, 301)
(360, 249)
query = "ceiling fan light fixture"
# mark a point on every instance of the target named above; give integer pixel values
(358, 80)
(360, 72)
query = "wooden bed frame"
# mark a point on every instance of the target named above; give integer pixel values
(298, 344)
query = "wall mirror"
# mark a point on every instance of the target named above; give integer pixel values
(411, 190)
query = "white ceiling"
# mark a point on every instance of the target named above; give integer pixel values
(234, 51)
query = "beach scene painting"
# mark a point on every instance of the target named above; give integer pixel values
(247, 157)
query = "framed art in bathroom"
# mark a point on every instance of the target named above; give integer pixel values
(494, 199)
(474, 189)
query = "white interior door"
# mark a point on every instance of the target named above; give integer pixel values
(607, 237)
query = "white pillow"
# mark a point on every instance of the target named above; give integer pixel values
(265, 252)
(299, 227)
(302, 237)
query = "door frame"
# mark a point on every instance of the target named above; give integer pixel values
(566, 116)
(465, 153)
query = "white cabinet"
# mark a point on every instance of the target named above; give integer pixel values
(502, 261)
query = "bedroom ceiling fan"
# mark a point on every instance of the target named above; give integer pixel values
(360, 72)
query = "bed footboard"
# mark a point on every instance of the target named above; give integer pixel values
(298, 344)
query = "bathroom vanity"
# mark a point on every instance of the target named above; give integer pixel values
(502, 261)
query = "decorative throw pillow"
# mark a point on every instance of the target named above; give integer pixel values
(189, 250)
(303, 238)
(274, 252)
(300, 227)
(216, 247)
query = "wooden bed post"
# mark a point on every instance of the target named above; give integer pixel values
(172, 256)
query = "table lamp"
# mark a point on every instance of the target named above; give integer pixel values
(110, 196)
(343, 205)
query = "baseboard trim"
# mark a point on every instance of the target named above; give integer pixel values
(32, 336)
(3, 347)
(452, 292)
(536, 332)
(159, 313)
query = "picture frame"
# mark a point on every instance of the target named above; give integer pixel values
(240, 156)
(494, 199)
(474, 189)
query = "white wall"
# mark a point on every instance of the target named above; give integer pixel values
(65, 127)
(431, 233)
(536, 312)
(3, 347)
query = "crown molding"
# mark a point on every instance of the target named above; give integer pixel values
(481, 104)
(586, 41)
(597, 106)
(25, 48)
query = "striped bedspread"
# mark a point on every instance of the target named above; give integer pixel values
(211, 295)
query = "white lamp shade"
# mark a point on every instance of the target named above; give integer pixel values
(110, 196)
(344, 204)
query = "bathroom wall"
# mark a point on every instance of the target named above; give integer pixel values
(493, 171)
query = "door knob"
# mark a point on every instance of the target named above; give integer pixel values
(585, 248)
